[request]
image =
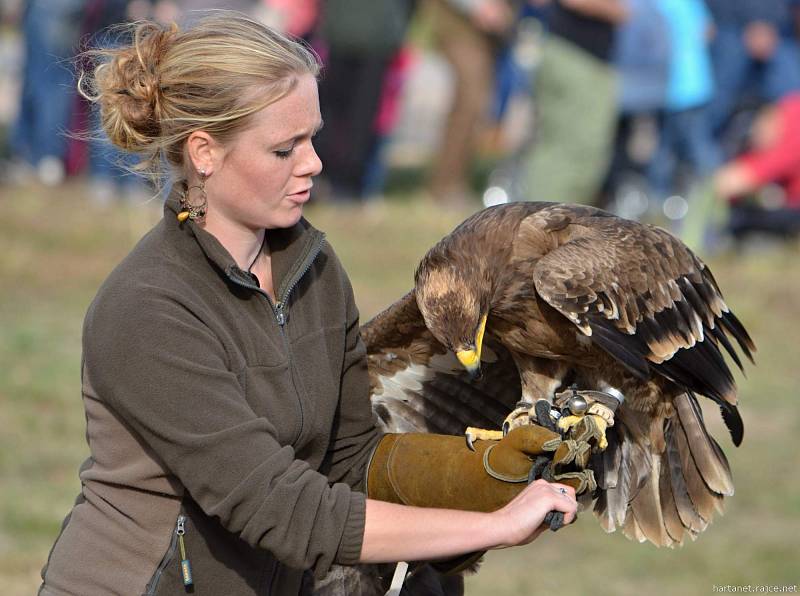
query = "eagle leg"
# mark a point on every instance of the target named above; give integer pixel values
(519, 416)
(525, 413)
(587, 415)
(586, 428)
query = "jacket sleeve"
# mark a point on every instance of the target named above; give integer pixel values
(167, 375)
(355, 434)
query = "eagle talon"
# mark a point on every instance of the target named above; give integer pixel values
(473, 434)
(577, 452)
(585, 428)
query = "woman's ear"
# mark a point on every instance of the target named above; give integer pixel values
(205, 153)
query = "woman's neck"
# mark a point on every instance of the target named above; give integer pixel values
(245, 246)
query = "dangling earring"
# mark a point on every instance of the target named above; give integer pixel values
(196, 210)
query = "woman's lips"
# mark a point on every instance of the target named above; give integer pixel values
(300, 197)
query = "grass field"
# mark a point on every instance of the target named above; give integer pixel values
(55, 249)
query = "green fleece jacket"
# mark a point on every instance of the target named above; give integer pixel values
(224, 429)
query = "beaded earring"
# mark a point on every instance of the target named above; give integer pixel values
(194, 209)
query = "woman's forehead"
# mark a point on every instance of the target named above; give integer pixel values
(296, 111)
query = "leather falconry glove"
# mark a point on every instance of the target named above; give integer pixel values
(427, 470)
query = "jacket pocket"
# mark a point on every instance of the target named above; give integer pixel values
(169, 556)
(271, 394)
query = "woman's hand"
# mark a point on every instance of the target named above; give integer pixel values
(733, 180)
(521, 521)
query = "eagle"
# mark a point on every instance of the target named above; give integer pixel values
(526, 303)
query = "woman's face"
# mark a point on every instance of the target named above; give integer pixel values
(262, 178)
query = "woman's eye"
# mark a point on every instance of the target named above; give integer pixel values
(284, 153)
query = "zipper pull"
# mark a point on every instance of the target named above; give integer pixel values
(280, 314)
(186, 567)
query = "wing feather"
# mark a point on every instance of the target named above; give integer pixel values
(643, 297)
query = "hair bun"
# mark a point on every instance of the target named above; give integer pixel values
(162, 84)
(129, 87)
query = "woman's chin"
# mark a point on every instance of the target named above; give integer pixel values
(287, 218)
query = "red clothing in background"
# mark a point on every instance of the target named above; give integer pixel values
(780, 162)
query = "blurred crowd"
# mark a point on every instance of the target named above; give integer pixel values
(681, 112)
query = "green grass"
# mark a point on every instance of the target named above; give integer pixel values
(55, 249)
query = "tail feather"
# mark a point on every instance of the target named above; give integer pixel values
(622, 472)
(632, 530)
(648, 511)
(707, 455)
(662, 493)
(680, 492)
(702, 498)
(672, 521)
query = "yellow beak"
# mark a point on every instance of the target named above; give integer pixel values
(471, 359)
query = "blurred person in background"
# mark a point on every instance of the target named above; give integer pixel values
(166, 11)
(10, 57)
(51, 30)
(469, 35)
(575, 94)
(389, 108)
(641, 57)
(762, 185)
(295, 17)
(685, 133)
(755, 51)
(361, 39)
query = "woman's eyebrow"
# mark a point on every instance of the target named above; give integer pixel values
(302, 135)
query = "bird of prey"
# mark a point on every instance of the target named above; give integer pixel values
(545, 298)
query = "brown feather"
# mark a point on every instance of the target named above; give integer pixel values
(647, 508)
(707, 456)
(702, 497)
(672, 521)
(632, 530)
(680, 492)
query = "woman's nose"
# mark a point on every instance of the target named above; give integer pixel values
(311, 164)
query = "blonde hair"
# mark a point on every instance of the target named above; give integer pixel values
(167, 83)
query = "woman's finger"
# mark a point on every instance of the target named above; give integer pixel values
(565, 489)
(565, 502)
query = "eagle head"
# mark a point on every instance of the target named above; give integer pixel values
(455, 312)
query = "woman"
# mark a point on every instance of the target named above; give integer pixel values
(224, 380)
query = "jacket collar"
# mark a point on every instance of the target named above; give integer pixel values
(292, 249)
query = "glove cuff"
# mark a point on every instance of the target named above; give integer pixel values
(427, 470)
